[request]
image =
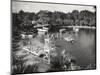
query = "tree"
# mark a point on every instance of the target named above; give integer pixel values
(75, 14)
(43, 17)
(88, 17)
(75, 17)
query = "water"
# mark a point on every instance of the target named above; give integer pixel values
(83, 48)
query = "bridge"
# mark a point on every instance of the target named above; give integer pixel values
(79, 27)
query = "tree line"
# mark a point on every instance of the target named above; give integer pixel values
(27, 20)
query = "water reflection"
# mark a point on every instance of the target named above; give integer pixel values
(83, 48)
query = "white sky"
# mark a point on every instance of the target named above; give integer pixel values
(35, 7)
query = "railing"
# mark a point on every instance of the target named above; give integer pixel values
(37, 56)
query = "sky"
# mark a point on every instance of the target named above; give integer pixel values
(36, 7)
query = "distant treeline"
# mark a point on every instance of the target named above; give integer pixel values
(27, 20)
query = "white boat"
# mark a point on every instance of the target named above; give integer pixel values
(69, 38)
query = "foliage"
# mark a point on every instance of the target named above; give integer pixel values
(24, 19)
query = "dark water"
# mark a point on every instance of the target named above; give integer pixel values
(83, 48)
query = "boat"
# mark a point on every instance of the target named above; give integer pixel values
(70, 38)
